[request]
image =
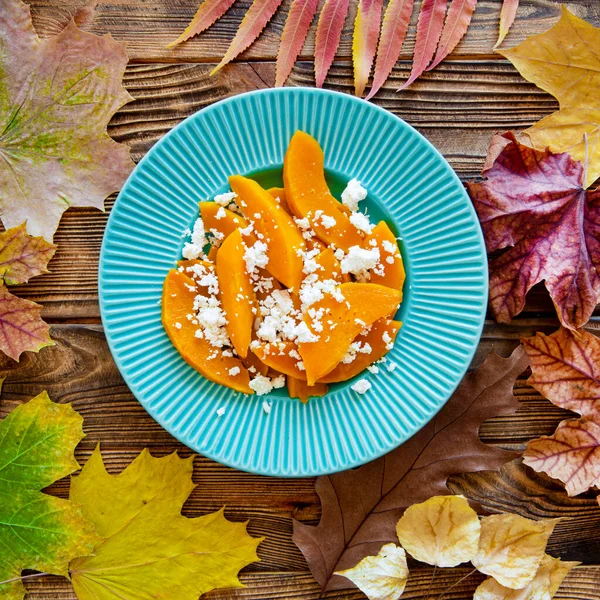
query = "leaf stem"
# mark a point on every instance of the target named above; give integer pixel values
(432, 578)
(24, 577)
(586, 159)
(457, 583)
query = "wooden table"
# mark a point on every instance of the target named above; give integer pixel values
(458, 107)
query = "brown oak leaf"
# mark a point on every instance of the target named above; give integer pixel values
(532, 205)
(360, 508)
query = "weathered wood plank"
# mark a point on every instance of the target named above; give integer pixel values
(583, 583)
(149, 25)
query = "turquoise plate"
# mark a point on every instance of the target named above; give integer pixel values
(410, 185)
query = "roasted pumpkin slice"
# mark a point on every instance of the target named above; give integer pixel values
(280, 233)
(382, 334)
(279, 194)
(278, 357)
(225, 224)
(179, 292)
(300, 389)
(330, 267)
(341, 322)
(236, 292)
(306, 192)
(391, 259)
(254, 364)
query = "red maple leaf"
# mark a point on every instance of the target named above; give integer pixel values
(533, 205)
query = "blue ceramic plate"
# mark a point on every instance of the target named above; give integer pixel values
(410, 186)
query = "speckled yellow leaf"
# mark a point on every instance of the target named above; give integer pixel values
(512, 547)
(442, 531)
(543, 586)
(153, 552)
(381, 577)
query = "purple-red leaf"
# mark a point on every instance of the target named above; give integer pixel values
(429, 30)
(455, 27)
(393, 31)
(329, 30)
(364, 41)
(252, 24)
(21, 328)
(294, 33)
(534, 206)
(208, 13)
(507, 18)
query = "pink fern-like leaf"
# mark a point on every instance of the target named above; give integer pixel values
(294, 33)
(429, 30)
(258, 15)
(507, 18)
(329, 31)
(457, 22)
(208, 13)
(393, 31)
(364, 41)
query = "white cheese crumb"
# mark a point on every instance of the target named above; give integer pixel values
(247, 230)
(304, 223)
(373, 369)
(353, 194)
(390, 260)
(278, 382)
(266, 406)
(327, 221)
(389, 247)
(220, 214)
(261, 385)
(220, 412)
(234, 371)
(362, 386)
(195, 248)
(359, 260)
(387, 340)
(225, 199)
(255, 257)
(391, 366)
(304, 335)
(361, 222)
(339, 254)
(178, 325)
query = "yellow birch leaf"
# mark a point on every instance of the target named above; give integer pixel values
(512, 547)
(543, 586)
(152, 551)
(381, 577)
(442, 531)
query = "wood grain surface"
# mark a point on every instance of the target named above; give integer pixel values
(458, 107)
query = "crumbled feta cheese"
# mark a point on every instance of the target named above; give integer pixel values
(266, 406)
(220, 412)
(304, 335)
(353, 194)
(391, 366)
(256, 257)
(390, 260)
(359, 260)
(234, 371)
(327, 221)
(389, 247)
(220, 214)
(225, 199)
(247, 230)
(178, 325)
(261, 385)
(362, 386)
(387, 340)
(300, 366)
(361, 222)
(304, 223)
(373, 369)
(278, 382)
(195, 248)
(339, 254)
(258, 216)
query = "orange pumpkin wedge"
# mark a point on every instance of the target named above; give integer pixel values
(279, 194)
(307, 192)
(253, 362)
(282, 236)
(341, 322)
(178, 296)
(278, 357)
(236, 292)
(330, 267)
(393, 273)
(300, 389)
(374, 338)
(226, 225)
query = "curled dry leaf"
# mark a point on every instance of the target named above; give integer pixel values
(381, 577)
(360, 508)
(442, 531)
(57, 97)
(565, 61)
(149, 544)
(543, 586)
(511, 548)
(507, 18)
(533, 206)
(42, 532)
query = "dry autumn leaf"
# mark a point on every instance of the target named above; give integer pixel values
(57, 97)
(442, 531)
(360, 508)
(532, 205)
(511, 548)
(43, 532)
(565, 61)
(543, 586)
(152, 551)
(381, 577)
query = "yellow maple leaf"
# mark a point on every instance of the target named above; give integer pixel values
(381, 577)
(511, 548)
(442, 531)
(151, 550)
(543, 586)
(565, 61)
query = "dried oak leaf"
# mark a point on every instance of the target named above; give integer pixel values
(533, 206)
(381, 577)
(543, 586)
(442, 531)
(56, 98)
(360, 508)
(149, 545)
(511, 548)
(565, 61)
(38, 531)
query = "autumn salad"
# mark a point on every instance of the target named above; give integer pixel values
(286, 286)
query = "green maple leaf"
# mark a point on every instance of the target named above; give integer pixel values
(38, 531)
